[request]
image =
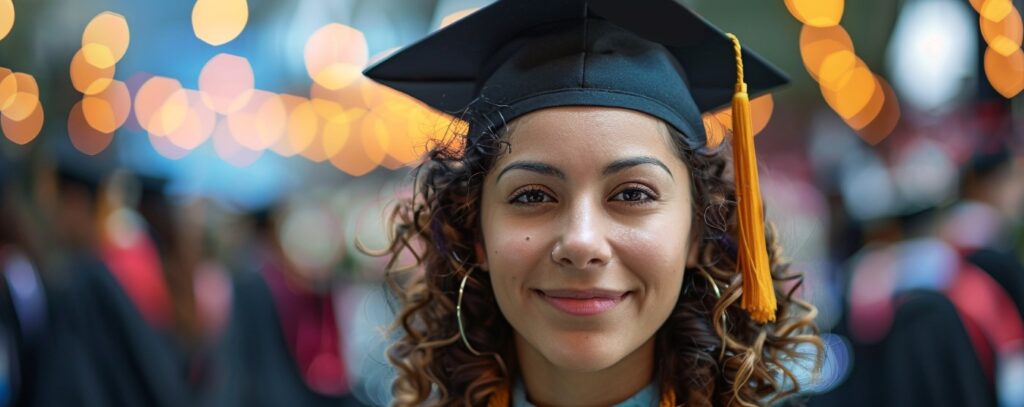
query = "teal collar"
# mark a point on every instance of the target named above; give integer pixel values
(646, 397)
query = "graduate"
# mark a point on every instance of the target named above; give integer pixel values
(582, 242)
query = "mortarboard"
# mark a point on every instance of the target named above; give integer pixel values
(653, 56)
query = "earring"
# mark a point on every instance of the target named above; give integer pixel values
(458, 314)
(714, 289)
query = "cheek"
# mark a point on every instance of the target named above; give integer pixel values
(512, 251)
(657, 247)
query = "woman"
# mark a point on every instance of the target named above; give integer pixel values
(582, 242)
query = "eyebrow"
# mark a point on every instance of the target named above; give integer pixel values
(614, 167)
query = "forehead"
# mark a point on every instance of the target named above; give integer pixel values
(581, 135)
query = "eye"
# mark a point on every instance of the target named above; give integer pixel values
(635, 195)
(531, 196)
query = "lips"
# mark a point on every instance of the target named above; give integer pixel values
(583, 302)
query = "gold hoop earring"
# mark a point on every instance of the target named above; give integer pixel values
(711, 282)
(715, 290)
(458, 314)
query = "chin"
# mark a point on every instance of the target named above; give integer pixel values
(582, 351)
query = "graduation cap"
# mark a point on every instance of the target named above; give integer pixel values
(652, 56)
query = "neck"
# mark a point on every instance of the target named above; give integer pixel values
(548, 385)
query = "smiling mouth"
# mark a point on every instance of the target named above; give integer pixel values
(583, 303)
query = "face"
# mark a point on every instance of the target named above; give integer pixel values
(586, 225)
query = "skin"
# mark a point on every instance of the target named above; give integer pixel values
(557, 213)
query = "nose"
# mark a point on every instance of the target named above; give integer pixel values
(583, 242)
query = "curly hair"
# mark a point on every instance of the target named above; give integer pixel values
(709, 350)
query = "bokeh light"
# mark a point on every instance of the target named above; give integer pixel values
(105, 39)
(361, 152)
(260, 123)
(335, 55)
(456, 16)
(761, 109)
(217, 22)
(338, 131)
(19, 96)
(87, 78)
(871, 110)
(226, 83)
(816, 13)
(836, 67)
(1004, 36)
(198, 125)
(1005, 72)
(851, 92)
(108, 110)
(23, 131)
(6, 17)
(315, 151)
(887, 118)
(229, 150)
(85, 138)
(161, 105)
(993, 10)
(817, 44)
(301, 128)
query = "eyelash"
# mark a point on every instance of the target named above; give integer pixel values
(650, 195)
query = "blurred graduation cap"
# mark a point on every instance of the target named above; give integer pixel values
(652, 56)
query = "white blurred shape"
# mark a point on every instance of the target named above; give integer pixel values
(932, 51)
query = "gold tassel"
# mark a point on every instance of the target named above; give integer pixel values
(752, 259)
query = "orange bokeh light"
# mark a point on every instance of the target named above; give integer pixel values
(23, 131)
(993, 10)
(1005, 72)
(761, 109)
(198, 125)
(107, 111)
(338, 131)
(19, 95)
(217, 22)
(871, 109)
(817, 44)
(261, 123)
(817, 13)
(87, 78)
(6, 17)
(302, 126)
(226, 83)
(887, 118)
(85, 138)
(105, 39)
(852, 91)
(365, 147)
(161, 105)
(1004, 36)
(335, 55)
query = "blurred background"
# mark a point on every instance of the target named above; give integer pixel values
(183, 185)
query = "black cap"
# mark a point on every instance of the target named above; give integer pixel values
(517, 56)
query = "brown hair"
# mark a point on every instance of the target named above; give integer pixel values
(708, 350)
